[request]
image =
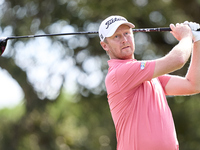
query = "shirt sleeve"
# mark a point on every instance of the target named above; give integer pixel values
(134, 73)
(164, 79)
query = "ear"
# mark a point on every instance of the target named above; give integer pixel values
(104, 46)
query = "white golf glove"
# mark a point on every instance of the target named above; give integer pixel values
(194, 26)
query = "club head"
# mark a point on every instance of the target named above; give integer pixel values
(3, 42)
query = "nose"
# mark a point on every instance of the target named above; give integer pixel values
(124, 39)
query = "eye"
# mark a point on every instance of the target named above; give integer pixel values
(116, 36)
(127, 33)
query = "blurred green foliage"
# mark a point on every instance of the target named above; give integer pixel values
(63, 125)
(65, 105)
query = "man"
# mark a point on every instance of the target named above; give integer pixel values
(136, 89)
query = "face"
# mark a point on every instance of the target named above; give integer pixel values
(121, 44)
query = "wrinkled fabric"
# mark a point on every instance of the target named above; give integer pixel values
(142, 117)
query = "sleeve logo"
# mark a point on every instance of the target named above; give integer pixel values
(143, 64)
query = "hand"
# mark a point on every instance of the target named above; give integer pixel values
(181, 31)
(194, 26)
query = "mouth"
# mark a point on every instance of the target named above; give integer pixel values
(125, 47)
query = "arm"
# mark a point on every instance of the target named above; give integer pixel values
(179, 55)
(190, 84)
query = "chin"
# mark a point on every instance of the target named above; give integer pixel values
(127, 57)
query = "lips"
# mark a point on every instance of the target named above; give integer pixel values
(125, 47)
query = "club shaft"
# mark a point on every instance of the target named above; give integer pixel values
(85, 33)
(45, 35)
(152, 29)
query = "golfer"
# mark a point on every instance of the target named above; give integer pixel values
(136, 89)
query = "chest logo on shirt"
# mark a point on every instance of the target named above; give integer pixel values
(143, 64)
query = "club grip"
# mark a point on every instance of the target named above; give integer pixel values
(169, 29)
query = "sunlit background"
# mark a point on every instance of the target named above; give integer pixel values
(11, 93)
(52, 91)
(48, 56)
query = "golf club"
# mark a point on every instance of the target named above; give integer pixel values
(3, 41)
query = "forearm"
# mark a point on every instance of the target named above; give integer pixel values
(193, 74)
(180, 54)
(183, 49)
(175, 59)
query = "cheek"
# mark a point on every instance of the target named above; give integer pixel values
(132, 42)
(114, 46)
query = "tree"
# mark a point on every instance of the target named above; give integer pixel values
(46, 68)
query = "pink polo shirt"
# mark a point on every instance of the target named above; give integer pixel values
(139, 108)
